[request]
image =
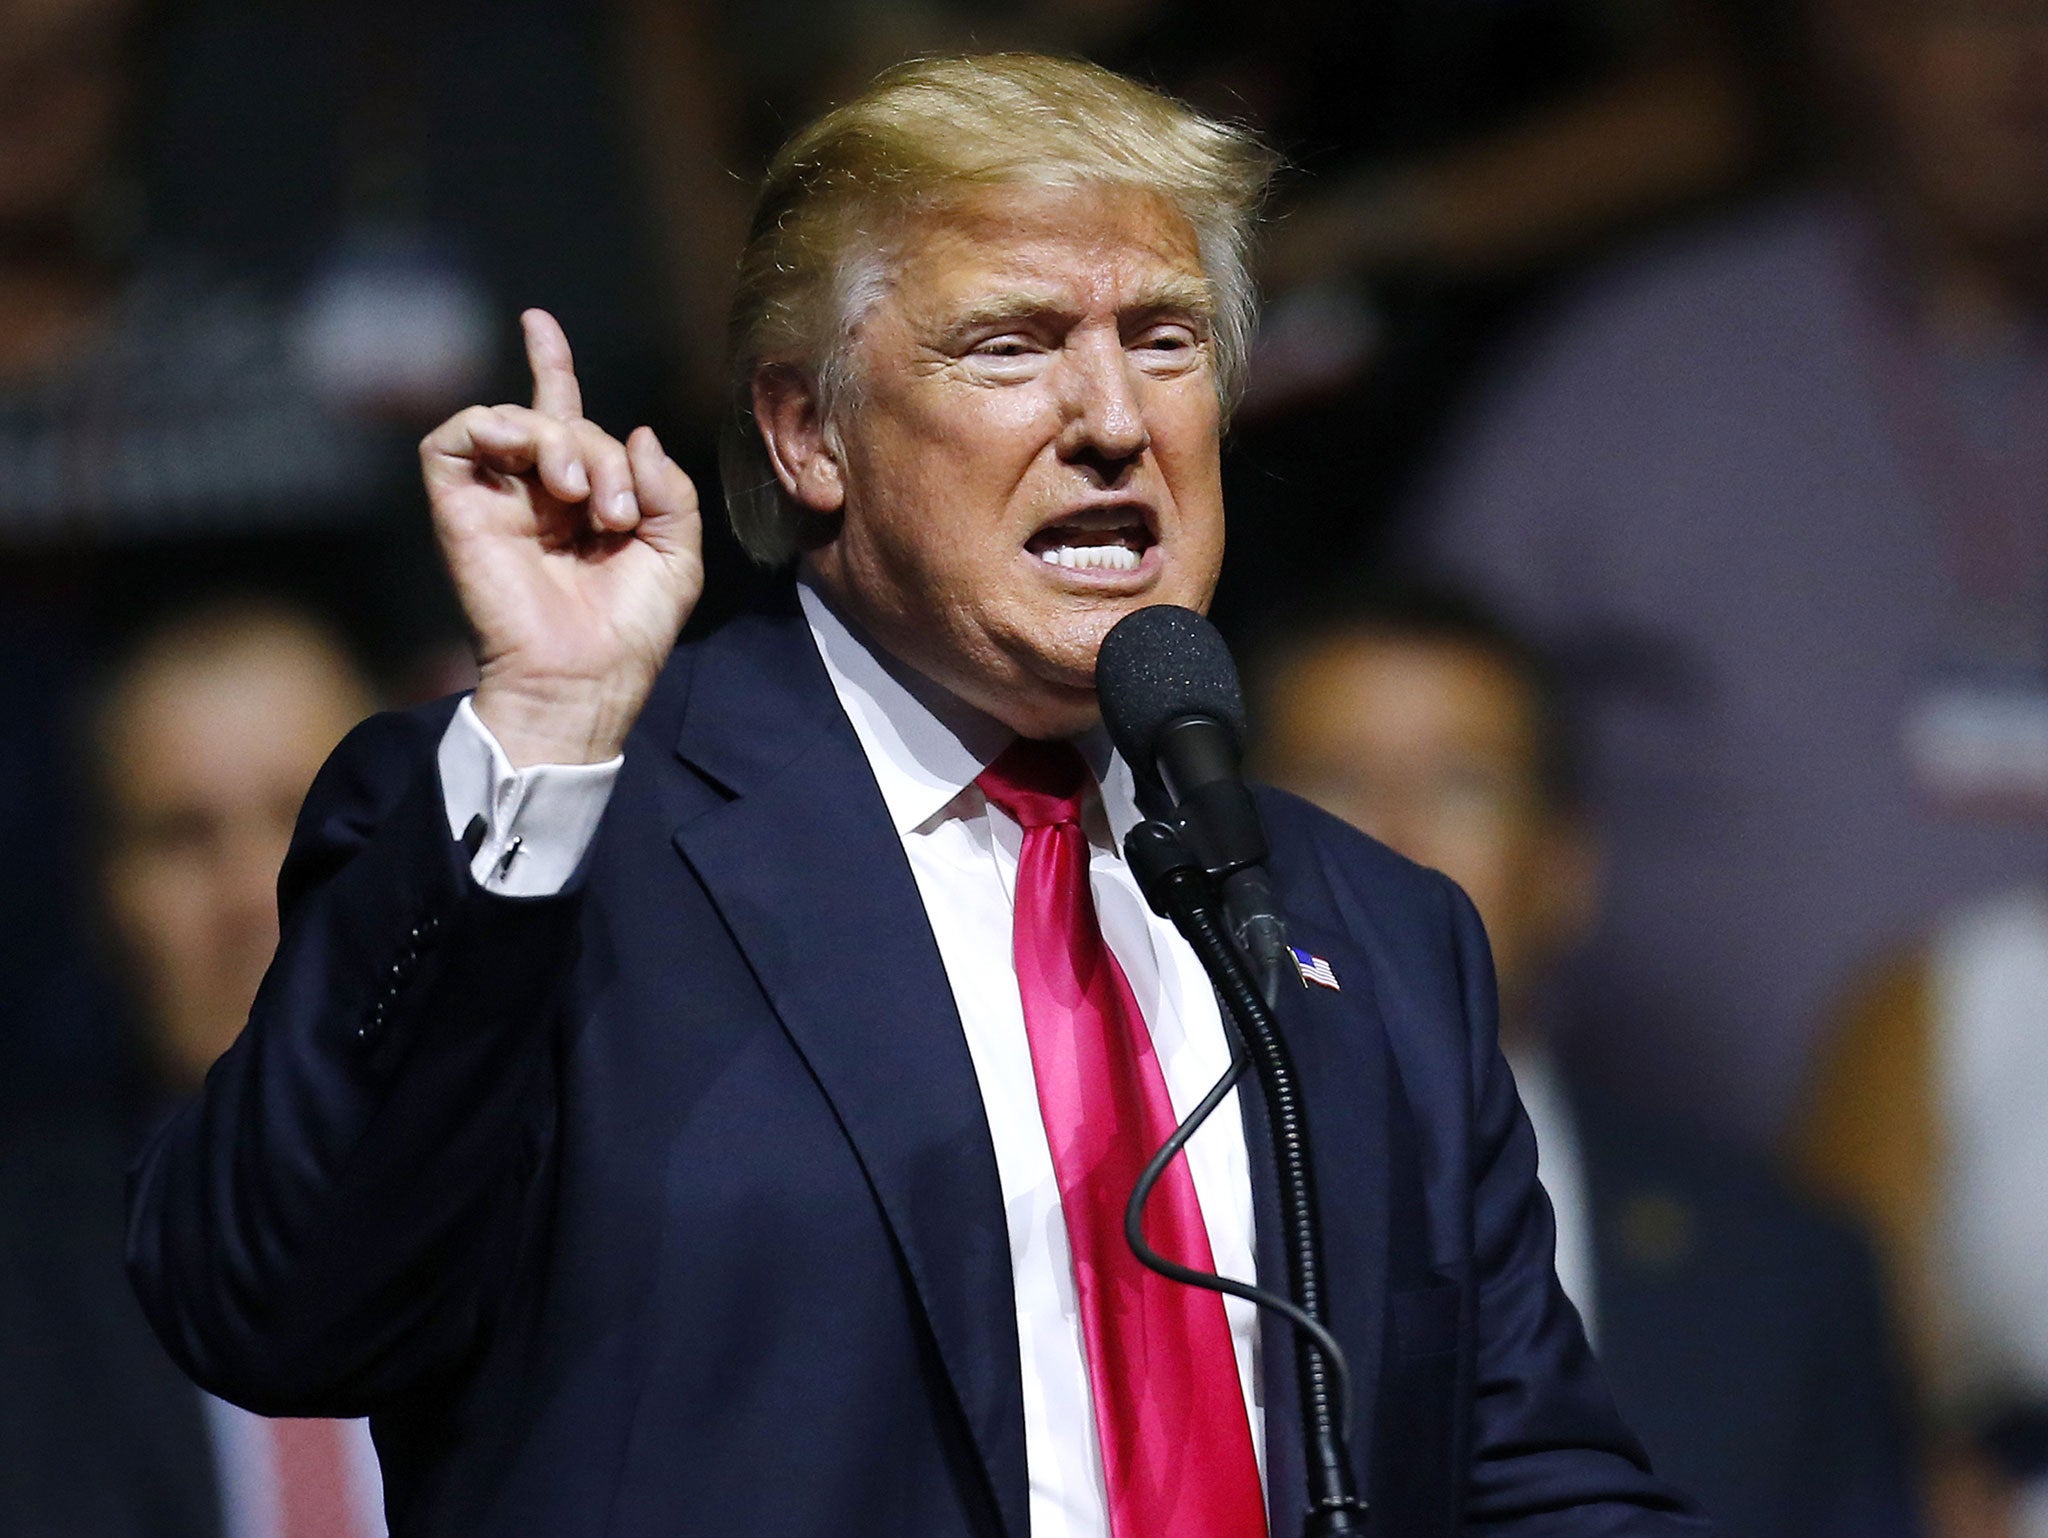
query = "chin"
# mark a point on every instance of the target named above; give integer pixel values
(1063, 652)
(1036, 690)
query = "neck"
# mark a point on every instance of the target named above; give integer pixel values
(1028, 706)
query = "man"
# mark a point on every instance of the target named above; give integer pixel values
(658, 1116)
(1743, 1333)
(208, 728)
(1924, 1118)
(1773, 488)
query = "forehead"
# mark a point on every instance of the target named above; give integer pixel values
(1366, 695)
(229, 722)
(1084, 248)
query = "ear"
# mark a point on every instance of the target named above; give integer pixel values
(803, 449)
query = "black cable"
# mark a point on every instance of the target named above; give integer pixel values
(1181, 891)
(1324, 1378)
(1173, 1270)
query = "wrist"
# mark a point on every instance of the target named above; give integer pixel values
(554, 721)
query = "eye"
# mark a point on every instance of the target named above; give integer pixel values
(1169, 345)
(1010, 346)
(1010, 357)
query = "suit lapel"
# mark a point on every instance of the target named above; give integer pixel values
(809, 875)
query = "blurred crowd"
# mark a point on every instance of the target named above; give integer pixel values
(1639, 511)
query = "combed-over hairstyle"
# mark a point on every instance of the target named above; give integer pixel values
(819, 252)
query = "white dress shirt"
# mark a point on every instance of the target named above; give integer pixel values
(1561, 1167)
(245, 1461)
(1990, 994)
(925, 749)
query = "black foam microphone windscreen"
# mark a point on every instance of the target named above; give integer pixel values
(1171, 700)
(1157, 665)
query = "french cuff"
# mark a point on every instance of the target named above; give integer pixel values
(536, 822)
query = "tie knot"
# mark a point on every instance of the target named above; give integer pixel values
(1038, 783)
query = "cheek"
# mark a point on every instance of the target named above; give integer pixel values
(936, 503)
(1478, 853)
(1186, 441)
(952, 438)
(157, 914)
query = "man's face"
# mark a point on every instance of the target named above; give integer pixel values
(207, 760)
(1433, 749)
(1962, 86)
(1032, 452)
(62, 88)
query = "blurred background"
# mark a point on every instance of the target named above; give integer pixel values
(1639, 511)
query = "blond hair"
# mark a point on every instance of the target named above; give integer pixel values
(931, 130)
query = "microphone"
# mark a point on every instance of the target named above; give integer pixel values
(1171, 700)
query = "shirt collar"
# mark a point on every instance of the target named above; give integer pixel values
(924, 745)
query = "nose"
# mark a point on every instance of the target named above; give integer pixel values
(1104, 431)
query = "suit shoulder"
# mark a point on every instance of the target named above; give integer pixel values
(372, 765)
(1432, 969)
(1750, 1207)
(367, 774)
(1751, 271)
(661, 718)
(1358, 867)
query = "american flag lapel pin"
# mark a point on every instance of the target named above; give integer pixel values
(1314, 969)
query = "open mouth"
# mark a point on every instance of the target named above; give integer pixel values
(1093, 544)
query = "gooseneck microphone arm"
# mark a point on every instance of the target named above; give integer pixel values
(1180, 890)
(1171, 701)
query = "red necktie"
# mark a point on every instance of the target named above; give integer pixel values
(311, 1458)
(1169, 1410)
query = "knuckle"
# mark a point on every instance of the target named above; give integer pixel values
(603, 451)
(455, 428)
(552, 439)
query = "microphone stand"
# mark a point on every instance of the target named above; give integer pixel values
(1182, 891)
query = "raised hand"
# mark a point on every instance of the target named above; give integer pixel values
(576, 558)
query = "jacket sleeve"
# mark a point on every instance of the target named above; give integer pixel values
(1549, 1453)
(319, 1231)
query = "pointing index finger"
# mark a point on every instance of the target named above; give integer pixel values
(555, 391)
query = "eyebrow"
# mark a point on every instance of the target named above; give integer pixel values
(1190, 296)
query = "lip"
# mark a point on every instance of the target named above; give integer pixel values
(1099, 518)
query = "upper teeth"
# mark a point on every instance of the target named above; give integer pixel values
(1111, 557)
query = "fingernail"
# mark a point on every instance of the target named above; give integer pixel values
(655, 438)
(623, 510)
(578, 479)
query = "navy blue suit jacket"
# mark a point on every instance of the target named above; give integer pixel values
(1745, 1336)
(667, 1205)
